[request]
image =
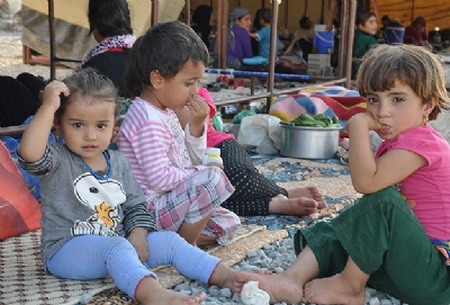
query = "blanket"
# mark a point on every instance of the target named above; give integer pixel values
(328, 100)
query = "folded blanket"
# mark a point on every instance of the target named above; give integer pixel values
(329, 100)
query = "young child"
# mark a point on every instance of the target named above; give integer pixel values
(263, 35)
(95, 223)
(365, 39)
(163, 71)
(254, 194)
(396, 237)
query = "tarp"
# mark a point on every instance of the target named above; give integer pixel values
(71, 24)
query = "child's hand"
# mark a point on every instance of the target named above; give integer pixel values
(51, 95)
(198, 109)
(198, 113)
(363, 120)
(138, 238)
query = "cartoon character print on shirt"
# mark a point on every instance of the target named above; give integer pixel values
(103, 197)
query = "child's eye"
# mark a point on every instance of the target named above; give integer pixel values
(77, 125)
(371, 100)
(398, 100)
(193, 83)
(102, 126)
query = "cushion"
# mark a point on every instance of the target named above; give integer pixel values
(19, 210)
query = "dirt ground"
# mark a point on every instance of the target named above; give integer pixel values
(11, 60)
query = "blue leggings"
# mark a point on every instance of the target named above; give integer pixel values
(88, 257)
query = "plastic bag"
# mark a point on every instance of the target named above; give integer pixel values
(261, 132)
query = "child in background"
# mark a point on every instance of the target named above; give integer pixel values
(263, 35)
(163, 71)
(95, 222)
(396, 238)
(365, 39)
(254, 194)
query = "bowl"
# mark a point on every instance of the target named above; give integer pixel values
(309, 142)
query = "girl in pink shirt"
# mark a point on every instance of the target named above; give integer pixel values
(396, 238)
(163, 71)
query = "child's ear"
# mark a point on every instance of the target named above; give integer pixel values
(156, 79)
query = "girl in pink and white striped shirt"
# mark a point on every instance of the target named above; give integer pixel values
(183, 195)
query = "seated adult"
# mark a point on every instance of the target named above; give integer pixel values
(416, 33)
(303, 37)
(19, 98)
(239, 44)
(201, 22)
(110, 25)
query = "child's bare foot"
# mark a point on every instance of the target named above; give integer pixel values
(334, 290)
(224, 276)
(308, 192)
(280, 287)
(150, 292)
(301, 206)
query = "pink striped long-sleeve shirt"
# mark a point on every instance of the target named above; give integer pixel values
(154, 143)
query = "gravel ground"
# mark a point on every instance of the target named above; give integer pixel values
(276, 257)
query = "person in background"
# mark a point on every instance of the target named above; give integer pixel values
(396, 238)
(95, 223)
(183, 196)
(254, 194)
(385, 21)
(110, 25)
(333, 18)
(239, 44)
(263, 34)
(201, 22)
(416, 33)
(366, 29)
(19, 98)
(256, 26)
(303, 37)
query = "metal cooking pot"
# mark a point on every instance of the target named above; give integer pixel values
(309, 142)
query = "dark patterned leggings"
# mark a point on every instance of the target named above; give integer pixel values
(253, 191)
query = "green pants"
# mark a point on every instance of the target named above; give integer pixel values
(384, 238)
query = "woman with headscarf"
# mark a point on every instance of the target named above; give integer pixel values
(239, 44)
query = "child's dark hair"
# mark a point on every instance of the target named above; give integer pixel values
(305, 23)
(362, 17)
(265, 14)
(109, 17)
(88, 83)
(413, 66)
(166, 47)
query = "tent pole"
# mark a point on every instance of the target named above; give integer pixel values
(155, 12)
(272, 51)
(51, 31)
